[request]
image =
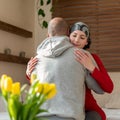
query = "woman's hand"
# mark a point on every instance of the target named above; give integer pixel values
(85, 59)
(31, 66)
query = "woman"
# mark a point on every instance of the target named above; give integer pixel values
(80, 37)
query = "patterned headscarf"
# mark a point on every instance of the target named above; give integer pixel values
(80, 26)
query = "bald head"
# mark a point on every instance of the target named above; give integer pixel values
(57, 26)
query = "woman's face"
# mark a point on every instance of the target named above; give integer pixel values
(78, 39)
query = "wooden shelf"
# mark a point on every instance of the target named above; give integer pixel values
(13, 59)
(15, 30)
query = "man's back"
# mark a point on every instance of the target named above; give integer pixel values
(58, 65)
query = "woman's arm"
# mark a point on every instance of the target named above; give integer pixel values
(31, 66)
(100, 75)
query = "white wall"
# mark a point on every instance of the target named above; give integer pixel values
(21, 14)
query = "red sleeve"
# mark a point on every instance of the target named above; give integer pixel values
(28, 78)
(101, 75)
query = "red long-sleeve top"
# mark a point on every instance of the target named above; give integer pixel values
(103, 79)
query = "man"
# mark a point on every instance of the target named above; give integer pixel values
(58, 65)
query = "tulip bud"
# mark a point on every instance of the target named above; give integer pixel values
(52, 91)
(32, 78)
(16, 88)
(4, 76)
(39, 88)
(46, 88)
(8, 84)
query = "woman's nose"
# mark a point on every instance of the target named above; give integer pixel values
(77, 40)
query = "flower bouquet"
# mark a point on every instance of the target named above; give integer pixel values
(35, 96)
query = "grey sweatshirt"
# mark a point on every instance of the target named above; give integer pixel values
(57, 65)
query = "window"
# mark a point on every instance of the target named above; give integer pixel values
(103, 19)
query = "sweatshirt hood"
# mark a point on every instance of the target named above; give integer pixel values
(54, 46)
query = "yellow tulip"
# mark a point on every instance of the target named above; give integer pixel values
(46, 88)
(16, 88)
(52, 91)
(7, 84)
(32, 78)
(51, 94)
(4, 76)
(2, 80)
(39, 88)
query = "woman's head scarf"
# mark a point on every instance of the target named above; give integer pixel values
(80, 26)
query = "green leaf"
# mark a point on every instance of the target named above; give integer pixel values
(23, 87)
(42, 110)
(32, 88)
(13, 106)
(48, 2)
(51, 9)
(20, 116)
(41, 2)
(45, 24)
(25, 111)
(36, 119)
(41, 12)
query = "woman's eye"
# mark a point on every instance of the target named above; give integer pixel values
(74, 35)
(82, 38)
